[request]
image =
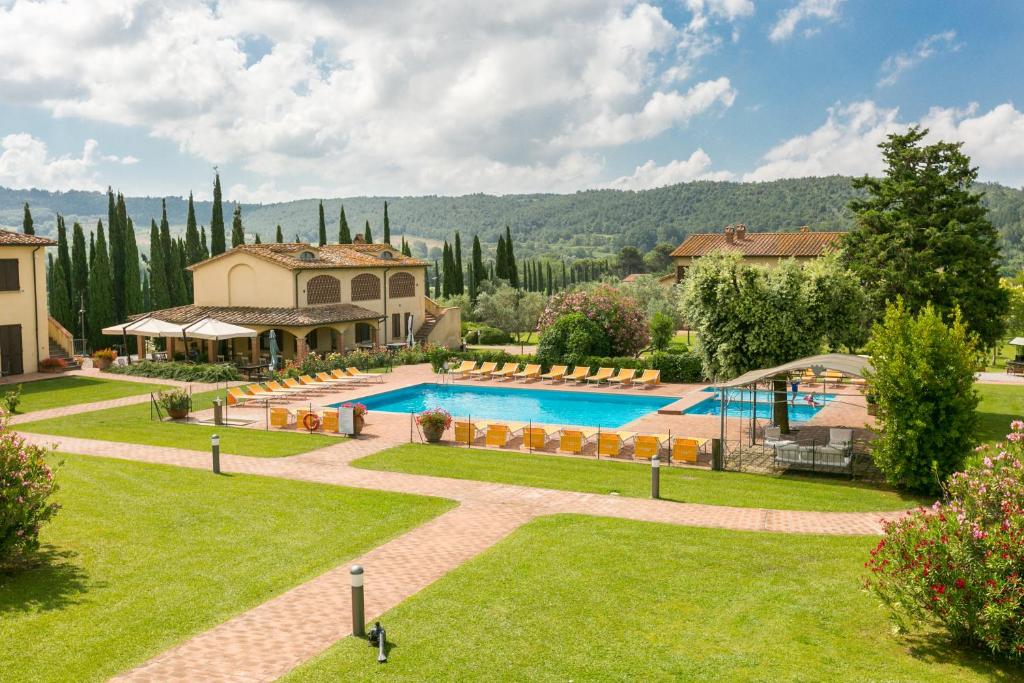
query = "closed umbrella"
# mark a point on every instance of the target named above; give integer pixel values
(273, 350)
(412, 337)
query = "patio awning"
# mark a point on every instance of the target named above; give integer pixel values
(841, 362)
(1017, 341)
(213, 329)
(145, 327)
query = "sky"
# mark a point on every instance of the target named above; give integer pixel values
(292, 99)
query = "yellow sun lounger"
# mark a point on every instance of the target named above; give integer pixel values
(624, 377)
(237, 395)
(686, 449)
(464, 369)
(528, 372)
(647, 446)
(280, 417)
(507, 370)
(276, 388)
(539, 435)
(331, 379)
(577, 375)
(293, 383)
(602, 375)
(330, 422)
(649, 378)
(499, 433)
(344, 378)
(573, 440)
(259, 392)
(467, 431)
(611, 443)
(313, 384)
(484, 370)
(365, 376)
(557, 372)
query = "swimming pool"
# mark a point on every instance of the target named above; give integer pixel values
(583, 408)
(740, 403)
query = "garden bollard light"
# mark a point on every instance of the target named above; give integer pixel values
(215, 449)
(655, 477)
(358, 617)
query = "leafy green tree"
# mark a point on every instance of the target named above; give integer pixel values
(27, 226)
(550, 281)
(923, 234)
(629, 261)
(1015, 311)
(79, 291)
(367, 235)
(659, 258)
(662, 328)
(460, 282)
(387, 225)
(472, 284)
(217, 244)
(511, 310)
(570, 339)
(237, 231)
(159, 288)
(101, 296)
(344, 236)
(322, 225)
(750, 317)
(928, 417)
(448, 283)
(278, 237)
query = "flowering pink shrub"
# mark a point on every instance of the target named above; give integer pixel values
(959, 564)
(26, 483)
(620, 316)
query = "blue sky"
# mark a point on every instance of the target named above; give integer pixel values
(308, 98)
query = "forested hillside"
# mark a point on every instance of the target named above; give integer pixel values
(580, 225)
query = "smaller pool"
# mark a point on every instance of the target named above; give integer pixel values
(740, 403)
(581, 408)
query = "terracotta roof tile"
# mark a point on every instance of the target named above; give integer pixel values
(20, 239)
(780, 244)
(266, 317)
(327, 256)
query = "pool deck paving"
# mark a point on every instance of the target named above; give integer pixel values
(269, 640)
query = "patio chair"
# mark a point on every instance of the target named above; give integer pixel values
(463, 369)
(557, 372)
(773, 437)
(500, 433)
(685, 450)
(484, 370)
(602, 375)
(647, 446)
(573, 440)
(611, 443)
(578, 375)
(649, 378)
(528, 372)
(537, 437)
(840, 445)
(280, 417)
(625, 376)
(467, 431)
(365, 376)
(507, 370)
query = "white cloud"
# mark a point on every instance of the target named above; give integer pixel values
(25, 162)
(462, 97)
(847, 143)
(895, 66)
(804, 10)
(650, 174)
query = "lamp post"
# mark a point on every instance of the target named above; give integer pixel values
(358, 615)
(215, 451)
(655, 477)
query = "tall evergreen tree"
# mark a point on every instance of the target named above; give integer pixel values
(159, 289)
(344, 236)
(193, 248)
(387, 225)
(64, 261)
(115, 246)
(460, 282)
(60, 298)
(257, 240)
(92, 249)
(479, 271)
(446, 263)
(27, 226)
(437, 281)
(500, 261)
(167, 256)
(217, 245)
(203, 243)
(472, 282)
(237, 231)
(551, 286)
(510, 256)
(101, 295)
(367, 235)
(323, 225)
(49, 283)
(562, 286)
(79, 291)
(132, 278)
(178, 287)
(147, 293)
(278, 237)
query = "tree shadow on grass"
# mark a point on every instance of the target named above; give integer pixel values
(49, 580)
(939, 648)
(994, 426)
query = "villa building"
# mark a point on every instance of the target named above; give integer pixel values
(759, 248)
(331, 298)
(24, 322)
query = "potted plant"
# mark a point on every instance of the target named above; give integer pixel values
(176, 402)
(434, 422)
(358, 416)
(872, 404)
(103, 358)
(52, 365)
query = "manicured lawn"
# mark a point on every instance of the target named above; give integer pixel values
(1000, 404)
(582, 598)
(1006, 352)
(67, 391)
(633, 479)
(132, 424)
(142, 556)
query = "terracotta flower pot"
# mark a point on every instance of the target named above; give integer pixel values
(178, 413)
(433, 433)
(102, 363)
(358, 422)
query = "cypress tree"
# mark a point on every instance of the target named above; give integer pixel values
(323, 225)
(367, 235)
(203, 243)
(101, 294)
(472, 282)
(257, 240)
(132, 278)
(551, 287)
(167, 256)
(64, 261)
(27, 226)
(387, 225)
(479, 271)
(92, 249)
(344, 236)
(500, 262)
(437, 281)
(490, 270)
(563, 276)
(115, 242)
(237, 232)
(446, 262)
(278, 237)
(79, 291)
(159, 290)
(510, 256)
(217, 221)
(49, 283)
(60, 298)
(460, 283)
(193, 248)
(178, 287)
(147, 294)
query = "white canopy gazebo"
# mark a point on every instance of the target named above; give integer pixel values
(212, 329)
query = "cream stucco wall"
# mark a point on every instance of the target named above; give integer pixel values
(27, 306)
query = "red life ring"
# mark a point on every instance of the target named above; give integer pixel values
(311, 421)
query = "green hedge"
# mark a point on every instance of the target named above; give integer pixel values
(488, 334)
(183, 372)
(684, 368)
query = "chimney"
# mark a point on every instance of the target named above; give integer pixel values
(804, 228)
(358, 239)
(729, 234)
(741, 232)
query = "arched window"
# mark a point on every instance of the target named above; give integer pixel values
(323, 289)
(365, 287)
(401, 285)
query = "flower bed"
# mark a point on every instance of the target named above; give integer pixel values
(184, 372)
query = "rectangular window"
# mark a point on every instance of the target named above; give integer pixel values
(396, 325)
(9, 281)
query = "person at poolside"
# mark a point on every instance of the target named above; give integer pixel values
(795, 382)
(809, 398)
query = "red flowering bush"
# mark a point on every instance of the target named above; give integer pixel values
(620, 316)
(960, 563)
(26, 484)
(358, 409)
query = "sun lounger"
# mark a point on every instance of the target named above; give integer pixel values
(484, 370)
(293, 383)
(499, 433)
(611, 443)
(557, 372)
(331, 379)
(573, 440)
(344, 378)
(602, 375)
(649, 378)
(365, 376)
(237, 395)
(276, 388)
(463, 369)
(259, 392)
(578, 375)
(539, 435)
(685, 450)
(835, 377)
(313, 384)
(467, 431)
(528, 372)
(280, 417)
(647, 446)
(624, 377)
(507, 370)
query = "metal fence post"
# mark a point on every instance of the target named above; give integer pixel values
(358, 616)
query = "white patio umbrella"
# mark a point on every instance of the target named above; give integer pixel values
(412, 336)
(212, 329)
(144, 327)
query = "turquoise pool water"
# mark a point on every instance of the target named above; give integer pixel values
(583, 408)
(740, 403)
